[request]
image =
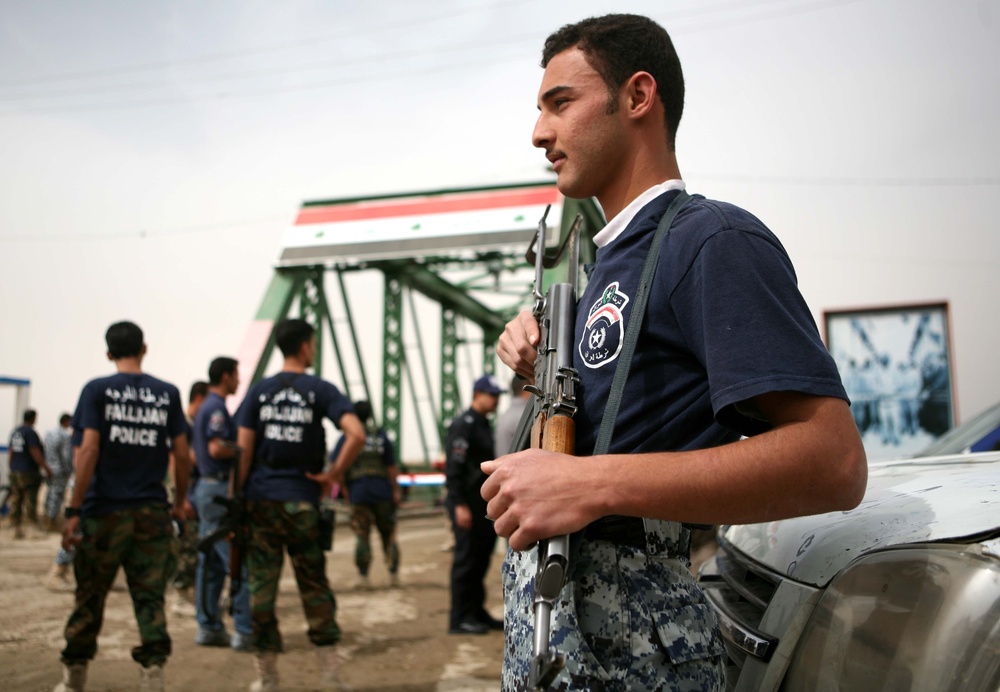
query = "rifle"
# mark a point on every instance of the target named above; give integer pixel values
(235, 526)
(553, 429)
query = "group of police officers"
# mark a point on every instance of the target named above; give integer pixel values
(131, 429)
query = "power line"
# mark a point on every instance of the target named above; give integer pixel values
(799, 7)
(281, 71)
(143, 234)
(820, 181)
(255, 93)
(260, 50)
(850, 181)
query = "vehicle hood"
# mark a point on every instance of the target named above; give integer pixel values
(912, 501)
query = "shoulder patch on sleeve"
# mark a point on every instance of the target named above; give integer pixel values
(217, 421)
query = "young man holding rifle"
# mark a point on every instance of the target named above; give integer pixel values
(727, 348)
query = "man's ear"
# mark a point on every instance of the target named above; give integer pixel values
(640, 94)
(110, 357)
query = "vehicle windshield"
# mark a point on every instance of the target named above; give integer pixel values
(979, 434)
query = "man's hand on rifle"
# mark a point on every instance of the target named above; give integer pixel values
(518, 345)
(537, 494)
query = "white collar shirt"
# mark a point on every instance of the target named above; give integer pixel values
(618, 224)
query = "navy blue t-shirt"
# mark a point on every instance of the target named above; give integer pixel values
(368, 478)
(137, 417)
(21, 441)
(286, 413)
(212, 422)
(725, 323)
(467, 445)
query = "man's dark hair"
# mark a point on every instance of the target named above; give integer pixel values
(363, 410)
(291, 334)
(619, 45)
(198, 389)
(64, 419)
(124, 340)
(223, 365)
(29, 416)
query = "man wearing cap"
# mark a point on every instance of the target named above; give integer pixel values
(468, 444)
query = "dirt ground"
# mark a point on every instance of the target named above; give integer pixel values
(395, 639)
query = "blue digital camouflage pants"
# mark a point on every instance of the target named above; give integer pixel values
(629, 620)
(381, 515)
(274, 528)
(138, 540)
(56, 494)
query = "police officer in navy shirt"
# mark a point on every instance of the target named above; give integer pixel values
(727, 347)
(119, 514)
(27, 462)
(214, 450)
(281, 469)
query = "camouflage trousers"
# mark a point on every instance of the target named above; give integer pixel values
(383, 516)
(138, 540)
(186, 552)
(627, 620)
(274, 528)
(24, 497)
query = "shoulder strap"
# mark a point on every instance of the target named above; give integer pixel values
(634, 325)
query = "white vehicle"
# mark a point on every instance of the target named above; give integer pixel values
(901, 593)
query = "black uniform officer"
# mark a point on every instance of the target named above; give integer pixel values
(468, 444)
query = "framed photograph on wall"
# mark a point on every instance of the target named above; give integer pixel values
(897, 369)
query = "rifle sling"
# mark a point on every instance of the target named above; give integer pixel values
(523, 432)
(635, 324)
(522, 435)
(636, 526)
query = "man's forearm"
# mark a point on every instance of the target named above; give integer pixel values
(219, 449)
(811, 462)
(351, 445)
(86, 462)
(39, 459)
(182, 468)
(792, 470)
(246, 438)
(348, 453)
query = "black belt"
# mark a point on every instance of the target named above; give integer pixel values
(630, 531)
(618, 530)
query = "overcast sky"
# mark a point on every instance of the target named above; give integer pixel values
(152, 153)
